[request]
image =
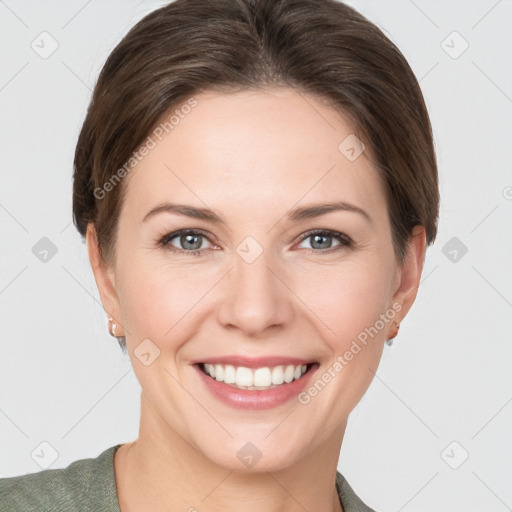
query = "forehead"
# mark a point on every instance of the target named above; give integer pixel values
(273, 147)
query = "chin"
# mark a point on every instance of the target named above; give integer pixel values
(245, 456)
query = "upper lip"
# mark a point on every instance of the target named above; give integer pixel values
(255, 362)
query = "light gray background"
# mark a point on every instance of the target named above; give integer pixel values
(447, 378)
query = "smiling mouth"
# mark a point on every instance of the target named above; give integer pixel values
(263, 378)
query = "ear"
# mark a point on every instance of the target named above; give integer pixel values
(409, 274)
(104, 277)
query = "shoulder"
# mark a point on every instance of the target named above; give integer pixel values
(350, 500)
(86, 484)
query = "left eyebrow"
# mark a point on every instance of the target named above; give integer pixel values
(307, 212)
(316, 210)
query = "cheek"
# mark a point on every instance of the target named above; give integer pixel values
(350, 303)
(159, 298)
(347, 299)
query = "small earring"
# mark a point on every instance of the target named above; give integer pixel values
(112, 326)
(389, 342)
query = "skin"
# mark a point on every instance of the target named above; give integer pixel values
(251, 157)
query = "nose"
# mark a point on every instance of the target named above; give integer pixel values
(255, 297)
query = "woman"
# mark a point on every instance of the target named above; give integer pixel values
(257, 186)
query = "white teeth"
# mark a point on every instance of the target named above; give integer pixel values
(278, 375)
(288, 373)
(244, 376)
(229, 374)
(259, 378)
(262, 377)
(219, 372)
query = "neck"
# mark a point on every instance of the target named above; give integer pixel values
(161, 470)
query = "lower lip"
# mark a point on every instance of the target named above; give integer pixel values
(254, 398)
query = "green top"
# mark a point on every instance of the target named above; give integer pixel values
(88, 485)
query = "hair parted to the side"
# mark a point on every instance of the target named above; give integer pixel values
(319, 47)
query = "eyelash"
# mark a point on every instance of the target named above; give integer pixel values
(344, 240)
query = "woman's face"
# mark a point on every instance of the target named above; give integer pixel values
(257, 283)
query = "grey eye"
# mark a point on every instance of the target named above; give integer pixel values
(190, 241)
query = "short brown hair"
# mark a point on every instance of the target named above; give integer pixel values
(319, 47)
